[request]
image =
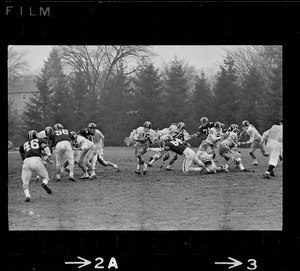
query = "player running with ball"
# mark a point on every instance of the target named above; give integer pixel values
(143, 136)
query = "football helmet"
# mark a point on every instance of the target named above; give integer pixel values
(204, 121)
(147, 124)
(180, 125)
(58, 126)
(173, 123)
(217, 124)
(245, 123)
(32, 134)
(167, 138)
(48, 130)
(73, 135)
(92, 125)
(233, 127)
(237, 131)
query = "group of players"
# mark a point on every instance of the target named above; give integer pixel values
(85, 148)
(226, 141)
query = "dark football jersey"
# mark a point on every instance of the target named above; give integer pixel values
(205, 129)
(59, 135)
(175, 145)
(32, 148)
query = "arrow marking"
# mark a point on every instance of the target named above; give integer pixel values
(234, 263)
(84, 263)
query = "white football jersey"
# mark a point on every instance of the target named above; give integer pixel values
(142, 135)
(175, 132)
(84, 143)
(213, 136)
(253, 133)
(97, 138)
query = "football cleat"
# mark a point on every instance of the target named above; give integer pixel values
(145, 168)
(267, 176)
(47, 188)
(137, 172)
(92, 177)
(57, 180)
(117, 169)
(273, 174)
(72, 179)
(84, 176)
(255, 163)
(246, 170)
(27, 199)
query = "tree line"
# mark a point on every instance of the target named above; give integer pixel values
(119, 88)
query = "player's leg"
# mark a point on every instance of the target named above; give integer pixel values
(171, 162)
(43, 173)
(189, 158)
(58, 158)
(274, 148)
(70, 158)
(25, 176)
(263, 149)
(86, 160)
(82, 165)
(253, 148)
(140, 150)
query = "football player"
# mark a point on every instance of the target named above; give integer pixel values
(204, 127)
(256, 141)
(98, 139)
(177, 146)
(60, 139)
(144, 136)
(213, 139)
(87, 151)
(228, 149)
(44, 134)
(178, 131)
(274, 146)
(165, 154)
(31, 152)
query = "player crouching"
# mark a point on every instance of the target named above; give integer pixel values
(228, 149)
(177, 146)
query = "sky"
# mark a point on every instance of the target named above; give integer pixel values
(202, 57)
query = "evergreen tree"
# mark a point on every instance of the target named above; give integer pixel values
(148, 95)
(252, 88)
(175, 96)
(38, 112)
(226, 91)
(202, 99)
(79, 95)
(115, 102)
(270, 105)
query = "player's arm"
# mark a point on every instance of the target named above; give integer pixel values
(265, 135)
(22, 152)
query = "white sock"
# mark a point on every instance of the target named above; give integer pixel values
(27, 194)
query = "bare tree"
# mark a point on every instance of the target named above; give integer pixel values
(16, 64)
(99, 62)
(264, 58)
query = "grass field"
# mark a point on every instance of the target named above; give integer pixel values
(159, 200)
